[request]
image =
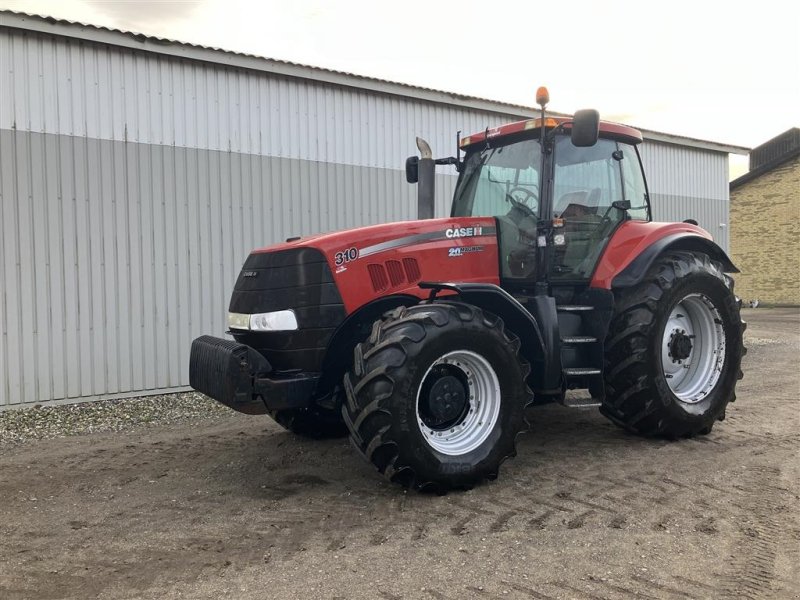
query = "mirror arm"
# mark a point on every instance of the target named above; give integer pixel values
(552, 134)
(450, 160)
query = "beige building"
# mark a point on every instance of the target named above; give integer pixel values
(765, 223)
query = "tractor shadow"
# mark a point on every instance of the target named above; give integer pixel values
(272, 464)
(574, 469)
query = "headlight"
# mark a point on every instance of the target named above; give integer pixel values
(279, 320)
(238, 321)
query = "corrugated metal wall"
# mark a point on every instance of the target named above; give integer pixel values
(687, 183)
(132, 186)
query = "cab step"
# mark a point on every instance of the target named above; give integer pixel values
(581, 402)
(578, 339)
(581, 372)
(580, 398)
(573, 307)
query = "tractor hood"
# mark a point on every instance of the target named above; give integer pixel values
(392, 258)
(364, 236)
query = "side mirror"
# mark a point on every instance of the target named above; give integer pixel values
(585, 127)
(621, 204)
(412, 169)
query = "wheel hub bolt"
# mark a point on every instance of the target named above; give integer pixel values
(680, 345)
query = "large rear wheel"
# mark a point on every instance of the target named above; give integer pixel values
(437, 396)
(674, 349)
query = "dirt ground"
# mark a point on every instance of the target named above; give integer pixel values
(235, 507)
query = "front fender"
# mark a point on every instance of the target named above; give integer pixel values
(354, 329)
(537, 329)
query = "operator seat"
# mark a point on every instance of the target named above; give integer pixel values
(582, 224)
(579, 205)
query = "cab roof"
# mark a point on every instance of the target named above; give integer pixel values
(616, 131)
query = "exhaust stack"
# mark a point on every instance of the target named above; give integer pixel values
(426, 184)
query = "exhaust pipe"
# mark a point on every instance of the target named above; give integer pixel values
(426, 183)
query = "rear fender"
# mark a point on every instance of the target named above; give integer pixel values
(635, 272)
(635, 245)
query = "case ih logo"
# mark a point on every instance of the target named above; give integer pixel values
(459, 232)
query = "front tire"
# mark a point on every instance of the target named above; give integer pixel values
(674, 349)
(437, 396)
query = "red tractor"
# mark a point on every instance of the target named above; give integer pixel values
(426, 341)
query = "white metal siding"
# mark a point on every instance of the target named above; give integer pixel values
(133, 185)
(67, 87)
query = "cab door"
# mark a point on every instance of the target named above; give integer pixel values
(594, 190)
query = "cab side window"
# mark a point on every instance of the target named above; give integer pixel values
(587, 180)
(635, 189)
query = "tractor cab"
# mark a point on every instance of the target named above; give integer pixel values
(556, 203)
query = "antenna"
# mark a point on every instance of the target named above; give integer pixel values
(458, 150)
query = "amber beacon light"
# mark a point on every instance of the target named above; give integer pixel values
(542, 96)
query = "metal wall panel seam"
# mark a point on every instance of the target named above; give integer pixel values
(158, 157)
(11, 231)
(110, 325)
(70, 239)
(95, 210)
(114, 333)
(57, 298)
(5, 209)
(134, 235)
(84, 265)
(26, 265)
(46, 333)
(173, 292)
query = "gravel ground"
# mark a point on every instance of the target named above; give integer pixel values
(46, 422)
(232, 506)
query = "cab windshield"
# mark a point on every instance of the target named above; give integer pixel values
(503, 182)
(497, 180)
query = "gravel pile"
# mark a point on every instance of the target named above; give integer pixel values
(44, 422)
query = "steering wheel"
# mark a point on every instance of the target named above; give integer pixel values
(521, 203)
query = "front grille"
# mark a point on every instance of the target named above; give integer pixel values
(298, 279)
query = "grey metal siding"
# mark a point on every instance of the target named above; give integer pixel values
(133, 185)
(117, 254)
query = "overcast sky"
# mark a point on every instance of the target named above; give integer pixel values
(724, 71)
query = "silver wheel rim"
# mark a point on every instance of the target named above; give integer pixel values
(692, 370)
(484, 405)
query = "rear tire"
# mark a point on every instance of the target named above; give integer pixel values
(674, 349)
(437, 396)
